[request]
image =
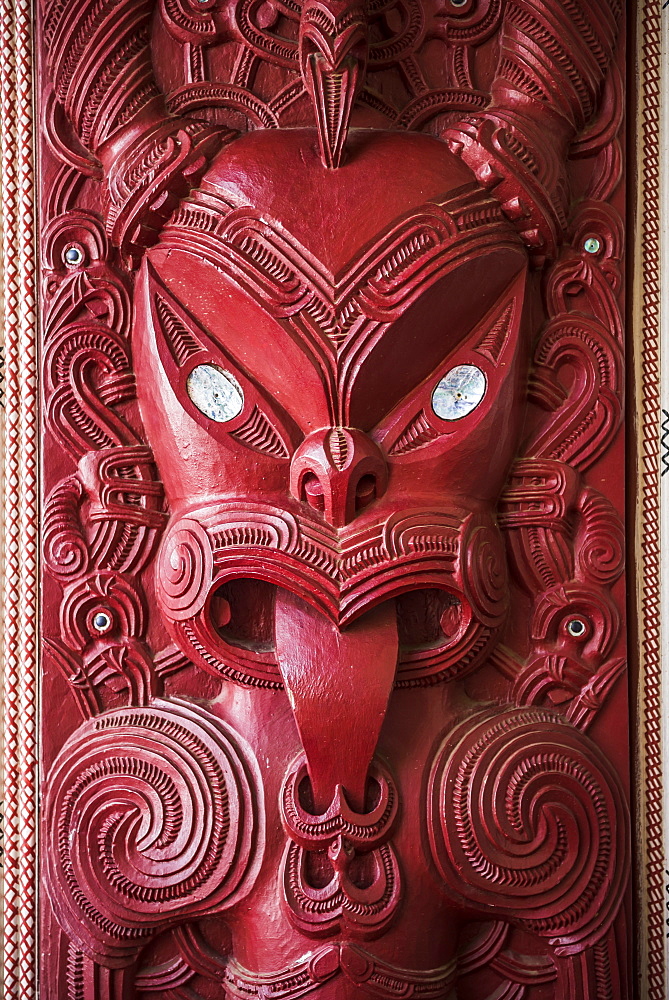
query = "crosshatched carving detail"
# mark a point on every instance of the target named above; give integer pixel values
(333, 369)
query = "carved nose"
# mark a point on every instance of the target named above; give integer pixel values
(338, 471)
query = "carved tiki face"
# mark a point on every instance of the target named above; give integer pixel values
(329, 368)
(327, 748)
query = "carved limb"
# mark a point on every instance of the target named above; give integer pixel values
(99, 60)
(553, 60)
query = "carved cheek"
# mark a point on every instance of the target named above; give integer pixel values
(470, 464)
(455, 436)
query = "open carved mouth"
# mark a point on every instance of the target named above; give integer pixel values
(255, 632)
(432, 624)
(224, 579)
(242, 613)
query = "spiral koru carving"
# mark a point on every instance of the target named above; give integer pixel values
(185, 567)
(484, 574)
(528, 820)
(600, 542)
(152, 817)
(65, 545)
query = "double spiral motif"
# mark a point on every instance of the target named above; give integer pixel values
(527, 820)
(152, 818)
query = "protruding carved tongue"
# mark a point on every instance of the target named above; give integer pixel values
(338, 683)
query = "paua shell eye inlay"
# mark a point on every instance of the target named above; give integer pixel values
(459, 392)
(576, 628)
(215, 393)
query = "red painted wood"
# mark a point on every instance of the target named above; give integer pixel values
(334, 699)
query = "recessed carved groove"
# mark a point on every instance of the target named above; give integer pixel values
(257, 432)
(417, 433)
(182, 342)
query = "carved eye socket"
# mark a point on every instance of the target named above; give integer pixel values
(459, 392)
(216, 393)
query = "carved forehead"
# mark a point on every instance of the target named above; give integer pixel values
(334, 213)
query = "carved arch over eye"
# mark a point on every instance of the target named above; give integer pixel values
(212, 386)
(464, 387)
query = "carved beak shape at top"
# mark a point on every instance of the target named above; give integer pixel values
(333, 60)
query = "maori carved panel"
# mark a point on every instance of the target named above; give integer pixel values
(334, 683)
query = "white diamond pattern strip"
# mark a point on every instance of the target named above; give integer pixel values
(651, 957)
(11, 961)
(28, 510)
(20, 501)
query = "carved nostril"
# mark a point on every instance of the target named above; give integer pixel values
(365, 491)
(313, 492)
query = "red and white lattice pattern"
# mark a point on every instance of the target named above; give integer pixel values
(20, 502)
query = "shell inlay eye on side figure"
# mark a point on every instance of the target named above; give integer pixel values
(215, 392)
(459, 392)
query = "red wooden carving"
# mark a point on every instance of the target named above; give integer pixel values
(333, 663)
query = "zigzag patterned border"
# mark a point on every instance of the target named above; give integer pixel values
(20, 503)
(651, 942)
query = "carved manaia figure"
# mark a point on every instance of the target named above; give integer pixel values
(337, 656)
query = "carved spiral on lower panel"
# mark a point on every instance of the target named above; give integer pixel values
(527, 820)
(185, 566)
(152, 817)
